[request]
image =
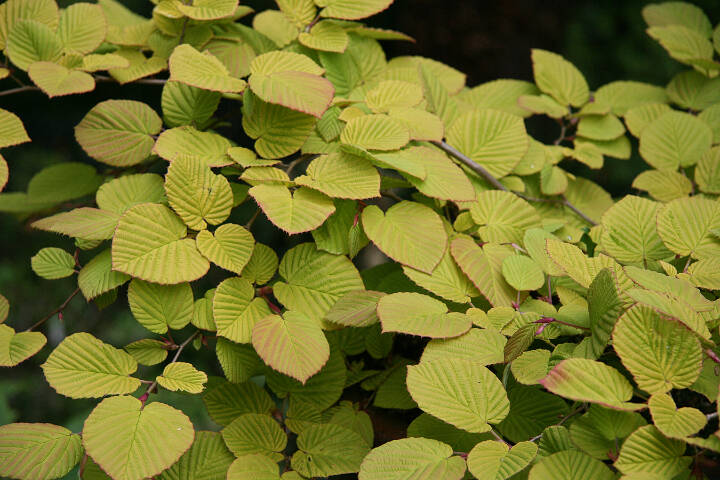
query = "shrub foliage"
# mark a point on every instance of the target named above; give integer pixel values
(530, 325)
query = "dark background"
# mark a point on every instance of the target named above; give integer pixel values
(485, 39)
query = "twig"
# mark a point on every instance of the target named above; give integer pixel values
(56, 311)
(250, 222)
(578, 212)
(499, 437)
(25, 88)
(145, 81)
(546, 320)
(712, 415)
(563, 130)
(153, 386)
(390, 194)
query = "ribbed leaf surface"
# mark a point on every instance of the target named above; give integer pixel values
(229, 247)
(494, 460)
(38, 451)
(325, 36)
(672, 421)
(182, 376)
(355, 309)
(559, 78)
(446, 280)
(675, 139)
(147, 351)
(352, 10)
(477, 345)
(685, 225)
(228, 401)
(330, 449)
(97, 276)
(121, 193)
(417, 314)
(82, 28)
(262, 265)
(570, 465)
(648, 451)
(56, 80)
(186, 105)
(341, 175)
(122, 437)
(483, 266)
(159, 307)
(375, 132)
(236, 311)
(294, 212)
(187, 142)
(30, 41)
(16, 347)
(207, 459)
(53, 263)
(209, 9)
(85, 222)
(412, 459)
(84, 367)
(255, 433)
(202, 70)
(444, 179)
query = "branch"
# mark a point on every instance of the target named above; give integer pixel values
(56, 311)
(153, 386)
(25, 88)
(480, 170)
(145, 81)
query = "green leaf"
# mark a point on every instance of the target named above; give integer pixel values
(85, 222)
(236, 311)
(600, 431)
(159, 307)
(182, 376)
(648, 451)
(683, 44)
(325, 450)
(352, 10)
(483, 266)
(375, 132)
(186, 105)
(590, 381)
(226, 401)
(570, 465)
(30, 41)
(35, 451)
(52, 263)
(122, 437)
(255, 433)
(623, 96)
(640, 334)
(274, 25)
(140, 65)
(393, 94)
(355, 309)
(4, 308)
(675, 422)
(294, 212)
(43, 11)
(56, 80)
(675, 139)
(124, 192)
(325, 36)
(444, 180)
(453, 400)
(118, 132)
(531, 366)
(663, 185)
(430, 427)
(417, 314)
(196, 194)
(341, 175)
(677, 13)
(575, 263)
(207, 459)
(500, 94)
(422, 124)
(17, 347)
(150, 244)
(82, 28)
(477, 345)
(685, 225)
(693, 90)
(292, 344)
(559, 78)
(147, 351)
(522, 273)
(707, 173)
(202, 70)
(82, 366)
(254, 467)
(4, 172)
(497, 461)
(193, 145)
(704, 273)
(446, 280)
(262, 265)
(605, 306)
(209, 9)
(409, 232)
(98, 277)
(412, 459)
(314, 280)
(600, 127)
(230, 246)
(531, 412)
(494, 139)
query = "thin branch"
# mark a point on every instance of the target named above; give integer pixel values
(390, 194)
(578, 212)
(712, 415)
(145, 81)
(499, 437)
(56, 311)
(250, 222)
(563, 131)
(153, 386)
(25, 88)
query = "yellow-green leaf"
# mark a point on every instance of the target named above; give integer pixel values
(202, 70)
(417, 314)
(182, 376)
(375, 132)
(294, 212)
(17, 347)
(412, 459)
(341, 175)
(495, 460)
(483, 266)
(229, 247)
(159, 307)
(559, 78)
(675, 422)
(236, 311)
(52, 263)
(35, 451)
(187, 142)
(648, 451)
(676, 139)
(253, 433)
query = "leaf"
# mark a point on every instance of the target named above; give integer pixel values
(147, 351)
(590, 381)
(600, 431)
(707, 173)
(531, 366)
(43, 11)
(52, 263)
(375, 132)
(193, 145)
(575, 263)
(325, 36)
(430, 427)
(229, 247)
(140, 66)
(186, 105)
(500, 94)
(85, 222)
(56, 80)
(227, 401)
(531, 412)
(477, 345)
(409, 233)
(393, 94)
(118, 132)
(294, 212)
(417, 314)
(209, 9)
(412, 459)
(159, 307)
(202, 70)
(675, 139)
(82, 28)
(604, 306)
(663, 185)
(314, 280)
(446, 280)
(624, 96)
(522, 273)
(4, 308)
(685, 225)
(255, 433)
(444, 179)
(341, 175)
(683, 44)
(30, 41)
(503, 217)
(182, 376)
(82, 366)
(422, 124)
(122, 437)
(469, 396)
(149, 244)
(496, 461)
(262, 265)
(97, 276)
(570, 465)
(483, 266)
(236, 311)
(292, 344)
(124, 192)
(18, 347)
(281, 78)
(325, 450)
(254, 467)
(677, 13)
(672, 421)
(4, 173)
(641, 333)
(207, 459)
(36, 451)
(277, 27)
(648, 451)
(494, 139)
(107, 61)
(559, 78)
(352, 10)
(355, 309)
